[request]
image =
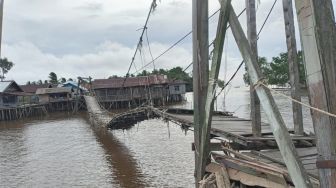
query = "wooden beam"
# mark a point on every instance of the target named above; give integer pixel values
(204, 148)
(1, 20)
(223, 178)
(318, 38)
(293, 65)
(278, 126)
(200, 75)
(252, 37)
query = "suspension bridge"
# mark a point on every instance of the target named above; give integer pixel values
(274, 155)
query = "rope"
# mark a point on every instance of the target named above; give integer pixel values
(261, 82)
(214, 40)
(152, 8)
(240, 65)
(173, 45)
(150, 51)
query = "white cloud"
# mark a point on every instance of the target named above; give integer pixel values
(97, 37)
(108, 59)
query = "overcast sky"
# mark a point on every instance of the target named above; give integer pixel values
(97, 38)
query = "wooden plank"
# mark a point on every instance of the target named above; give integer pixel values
(280, 131)
(222, 178)
(253, 169)
(245, 178)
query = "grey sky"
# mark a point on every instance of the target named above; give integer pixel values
(97, 37)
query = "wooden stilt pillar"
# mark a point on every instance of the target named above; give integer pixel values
(318, 38)
(204, 149)
(293, 65)
(252, 37)
(200, 76)
(280, 132)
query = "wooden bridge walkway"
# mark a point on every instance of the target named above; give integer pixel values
(97, 114)
(234, 132)
(238, 131)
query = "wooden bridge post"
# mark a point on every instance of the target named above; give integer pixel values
(204, 148)
(318, 38)
(77, 95)
(293, 65)
(281, 135)
(252, 37)
(1, 20)
(200, 75)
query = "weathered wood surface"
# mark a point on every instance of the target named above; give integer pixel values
(272, 112)
(254, 169)
(293, 65)
(237, 130)
(200, 33)
(1, 20)
(307, 157)
(253, 41)
(211, 90)
(318, 38)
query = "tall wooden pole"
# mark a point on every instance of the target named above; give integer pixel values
(204, 149)
(252, 37)
(1, 20)
(200, 75)
(293, 65)
(280, 132)
(318, 39)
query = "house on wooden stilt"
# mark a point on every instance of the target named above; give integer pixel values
(10, 92)
(117, 93)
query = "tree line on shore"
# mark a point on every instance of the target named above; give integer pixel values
(276, 72)
(53, 79)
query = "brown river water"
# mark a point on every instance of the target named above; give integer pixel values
(64, 150)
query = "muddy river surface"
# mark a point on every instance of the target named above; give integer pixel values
(63, 150)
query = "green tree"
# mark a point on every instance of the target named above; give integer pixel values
(28, 83)
(63, 80)
(160, 71)
(53, 78)
(5, 66)
(177, 73)
(144, 73)
(39, 82)
(113, 76)
(265, 69)
(220, 83)
(302, 71)
(276, 72)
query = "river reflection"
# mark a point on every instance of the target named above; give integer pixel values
(66, 151)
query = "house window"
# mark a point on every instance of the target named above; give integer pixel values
(177, 88)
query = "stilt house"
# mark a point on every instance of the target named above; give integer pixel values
(114, 93)
(9, 94)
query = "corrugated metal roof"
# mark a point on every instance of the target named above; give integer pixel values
(9, 86)
(130, 82)
(40, 91)
(4, 86)
(32, 88)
